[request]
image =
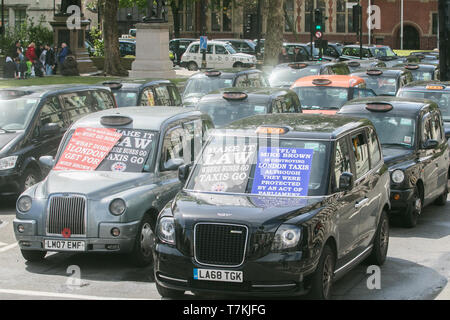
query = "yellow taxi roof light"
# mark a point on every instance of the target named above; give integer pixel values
(435, 87)
(271, 130)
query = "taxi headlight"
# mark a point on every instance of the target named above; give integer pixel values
(166, 230)
(24, 204)
(286, 237)
(398, 176)
(117, 207)
(8, 162)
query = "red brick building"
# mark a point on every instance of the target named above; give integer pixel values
(222, 20)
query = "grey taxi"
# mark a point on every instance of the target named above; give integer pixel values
(111, 207)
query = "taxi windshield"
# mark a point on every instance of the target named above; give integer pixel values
(224, 111)
(126, 98)
(441, 98)
(383, 52)
(15, 114)
(383, 86)
(420, 75)
(321, 97)
(287, 76)
(230, 49)
(205, 85)
(107, 149)
(262, 166)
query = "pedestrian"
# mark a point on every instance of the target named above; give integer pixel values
(10, 69)
(283, 57)
(299, 55)
(31, 52)
(49, 61)
(63, 53)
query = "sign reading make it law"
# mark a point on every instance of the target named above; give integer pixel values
(282, 172)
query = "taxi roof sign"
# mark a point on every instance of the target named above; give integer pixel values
(374, 72)
(297, 65)
(234, 95)
(379, 107)
(213, 73)
(272, 130)
(412, 66)
(435, 87)
(115, 120)
(321, 82)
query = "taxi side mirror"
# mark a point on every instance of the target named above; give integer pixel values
(50, 129)
(346, 181)
(47, 161)
(173, 164)
(447, 134)
(430, 144)
(183, 172)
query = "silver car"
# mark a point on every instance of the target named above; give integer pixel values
(111, 204)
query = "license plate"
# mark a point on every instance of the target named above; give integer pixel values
(64, 245)
(218, 275)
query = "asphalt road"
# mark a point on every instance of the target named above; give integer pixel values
(418, 267)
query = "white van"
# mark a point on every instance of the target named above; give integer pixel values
(219, 55)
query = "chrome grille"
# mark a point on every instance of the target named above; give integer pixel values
(67, 212)
(220, 244)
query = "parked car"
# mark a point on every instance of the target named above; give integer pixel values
(145, 93)
(263, 230)
(109, 194)
(414, 148)
(285, 74)
(205, 82)
(219, 55)
(241, 45)
(127, 48)
(355, 64)
(421, 71)
(333, 50)
(385, 81)
(327, 93)
(380, 52)
(178, 47)
(32, 122)
(231, 104)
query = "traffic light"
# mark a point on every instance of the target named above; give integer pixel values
(318, 20)
(357, 12)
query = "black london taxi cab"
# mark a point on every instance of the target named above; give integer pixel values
(285, 74)
(145, 93)
(205, 82)
(355, 65)
(384, 81)
(438, 91)
(276, 205)
(421, 71)
(414, 148)
(32, 122)
(327, 93)
(231, 104)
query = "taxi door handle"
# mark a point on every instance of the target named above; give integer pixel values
(359, 204)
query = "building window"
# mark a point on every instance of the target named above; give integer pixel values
(310, 5)
(289, 23)
(221, 15)
(435, 23)
(5, 17)
(215, 15)
(180, 14)
(350, 16)
(189, 26)
(20, 17)
(226, 15)
(340, 15)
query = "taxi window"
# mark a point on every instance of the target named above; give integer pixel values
(374, 148)
(279, 105)
(125, 98)
(426, 131)
(162, 96)
(342, 161)
(256, 80)
(362, 93)
(361, 154)
(209, 49)
(242, 81)
(104, 100)
(340, 69)
(51, 112)
(172, 145)
(148, 97)
(436, 128)
(175, 95)
(221, 50)
(194, 48)
(77, 104)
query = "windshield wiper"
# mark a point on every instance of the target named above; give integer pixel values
(398, 144)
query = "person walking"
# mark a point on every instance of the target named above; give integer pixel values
(63, 53)
(283, 57)
(50, 60)
(31, 52)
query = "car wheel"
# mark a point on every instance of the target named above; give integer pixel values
(29, 178)
(169, 293)
(33, 256)
(322, 279)
(145, 239)
(237, 65)
(381, 242)
(414, 210)
(192, 66)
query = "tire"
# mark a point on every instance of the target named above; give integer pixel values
(237, 65)
(29, 178)
(381, 242)
(169, 293)
(322, 279)
(442, 199)
(142, 255)
(413, 212)
(192, 66)
(33, 256)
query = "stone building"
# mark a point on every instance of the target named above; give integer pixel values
(16, 11)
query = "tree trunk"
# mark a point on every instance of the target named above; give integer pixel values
(176, 21)
(274, 32)
(109, 10)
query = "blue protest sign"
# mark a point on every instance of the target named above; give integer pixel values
(282, 171)
(203, 42)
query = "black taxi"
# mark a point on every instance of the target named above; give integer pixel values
(205, 82)
(145, 93)
(414, 148)
(355, 64)
(421, 71)
(231, 104)
(285, 74)
(33, 121)
(385, 82)
(276, 205)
